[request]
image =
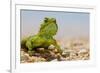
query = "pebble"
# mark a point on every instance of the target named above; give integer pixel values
(52, 54)
(51, 47)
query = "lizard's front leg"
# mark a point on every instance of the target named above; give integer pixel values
(30, 48)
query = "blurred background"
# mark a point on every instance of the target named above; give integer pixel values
(70, 24)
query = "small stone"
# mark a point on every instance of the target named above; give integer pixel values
(51, 47)
(66, 54)
(55, 51)
(54, 60)
(62, 59)
(62, 48)
(37, 54)
(82, 51)
(59, 57)
(24, 57)
(42, 59)
(40, 49)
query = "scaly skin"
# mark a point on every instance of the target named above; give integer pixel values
(44, 38)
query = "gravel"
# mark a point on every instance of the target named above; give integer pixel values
(51, 54)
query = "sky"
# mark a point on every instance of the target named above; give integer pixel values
(70, 24)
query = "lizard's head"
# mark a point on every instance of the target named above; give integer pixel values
(49, 26)
(49, 20)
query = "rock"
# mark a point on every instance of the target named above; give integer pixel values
(51, 47)
(50, 58)
(42, 59)
(62, 59)
(40, 49)
(62, 48)
(58, 57)
(66, 54)
(24, 57)
(54, 60)
(55, 50)
(38, 59)
(83, 50)
(37, 54)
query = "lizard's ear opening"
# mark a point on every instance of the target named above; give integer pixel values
(46, 19)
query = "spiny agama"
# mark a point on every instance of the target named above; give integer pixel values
(44, 38)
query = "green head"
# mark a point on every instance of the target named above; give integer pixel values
(49, 27)
(49, 20)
